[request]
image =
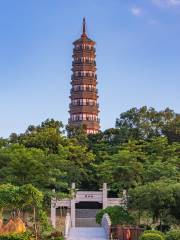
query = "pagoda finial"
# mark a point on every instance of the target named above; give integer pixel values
(84, 26)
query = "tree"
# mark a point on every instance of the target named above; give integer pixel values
(46, 136)
(77, 161)
(9, 198)
(17, 199)
(3, 142)
(121, 170)
(172, 129)
(32, 198)
(156, 198)
(77, 133)
(174, 209)
(162, 160)
(145, 123)
(29, 165)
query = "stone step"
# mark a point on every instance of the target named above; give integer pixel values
(86, 213)
(86, 222)
(96, 233)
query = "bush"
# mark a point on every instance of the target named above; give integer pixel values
(155, 232)
(173, 235)
(23, 236)
(117, 214)
(145, 226)
(163, 227)
(56, 235)
(151, 236)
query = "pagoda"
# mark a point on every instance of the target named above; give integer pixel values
(84, 108)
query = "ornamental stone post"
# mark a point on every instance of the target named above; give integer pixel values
(73, 209)
(104, 193)
(53, 211)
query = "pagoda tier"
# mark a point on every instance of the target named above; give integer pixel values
(84, 108)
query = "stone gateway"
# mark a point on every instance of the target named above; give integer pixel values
(85, 196)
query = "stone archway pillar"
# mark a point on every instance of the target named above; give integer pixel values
(104, 193)
(53, 211)
(73, 205)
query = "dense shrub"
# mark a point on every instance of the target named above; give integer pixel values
(117, 214)
(24, 236)
(145, 226)
(154, 232)
(56, 235)
(173, 235)
(163, 227)
(151, 236)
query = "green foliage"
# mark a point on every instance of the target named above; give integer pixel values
(78, 133)
(145, 123)
(9, 196)
(15, 198)
(46, 136)
(157, 197)
(175, 209)
(155, 232)
(3, 142)
(173, 235)
(141, 154)
(31, 165)
(121, 170)
(117, 214)
(54, 236)
(78, 158)
(151, 236)
(24, 236)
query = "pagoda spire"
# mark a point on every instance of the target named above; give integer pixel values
(84, 27)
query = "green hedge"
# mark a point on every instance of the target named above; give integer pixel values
(155, 232)
(173, 235)
(24, 236)
(151, 236)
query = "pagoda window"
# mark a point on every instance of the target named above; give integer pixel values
(80, 117)
(91, 131)
(76, 74)
(84, 116)
(75, 88)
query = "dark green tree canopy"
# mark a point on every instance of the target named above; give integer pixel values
(145, 123)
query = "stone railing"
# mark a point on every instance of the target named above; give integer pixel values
(67, 225)
(106, 224)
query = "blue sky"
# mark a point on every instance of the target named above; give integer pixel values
(138, 57)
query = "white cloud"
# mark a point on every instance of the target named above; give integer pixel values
(136, 11)
(167, 3)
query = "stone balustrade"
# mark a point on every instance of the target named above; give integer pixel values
(106, 224)
(67, 225)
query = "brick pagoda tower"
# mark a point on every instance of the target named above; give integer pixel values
(84, 108)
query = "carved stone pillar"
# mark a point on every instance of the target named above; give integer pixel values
(105, 191)
(73, 205)
(53, 213)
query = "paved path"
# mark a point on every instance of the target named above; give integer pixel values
(87, 234)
